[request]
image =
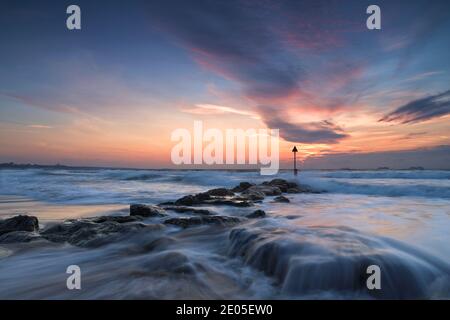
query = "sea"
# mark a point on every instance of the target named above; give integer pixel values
(317, 246)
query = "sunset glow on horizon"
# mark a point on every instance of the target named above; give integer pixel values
(112, 93)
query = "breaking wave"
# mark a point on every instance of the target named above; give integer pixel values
(325, 262)
(390, 174)
(97, 186)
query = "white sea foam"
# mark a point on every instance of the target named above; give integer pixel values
(316, 246)
(124, 186)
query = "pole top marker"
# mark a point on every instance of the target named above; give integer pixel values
(295, 149)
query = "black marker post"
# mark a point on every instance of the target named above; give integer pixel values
(295, 159)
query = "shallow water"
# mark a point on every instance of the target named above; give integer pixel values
(316, 246)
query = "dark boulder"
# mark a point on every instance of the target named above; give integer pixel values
(88, 233)
(19, 223)
(118, 219)
(293, 190)
(242, 186)
(19, 237)
(192, 221)
(168, 263)
(282, 184)
(182, 209)
(281, 199)
(234, 202)
(302, 189)
(144, 210)
(205, 198)
(202, 196)
(256, 214)
(267, 190)
(252, 194)
(191, 200)
(187, 201)
(220, 192)
(160, 243)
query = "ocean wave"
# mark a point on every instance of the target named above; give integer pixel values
(389, 174)
(323, 261)
(381, 187)
(99, 186)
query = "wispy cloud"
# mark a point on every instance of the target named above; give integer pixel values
(312, 132)
(39, 126)
(254, 46)
(423, 75)
(421, 109)
(211, 109)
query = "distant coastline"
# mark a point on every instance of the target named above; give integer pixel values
(12, 165)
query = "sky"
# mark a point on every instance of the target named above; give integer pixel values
(112, 93)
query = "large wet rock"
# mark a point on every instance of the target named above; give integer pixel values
(183, 209)
(19, 223)
(160, 243)
(253, 194)
(282, 184)
(271, 188)
(289, 186)
(233, 202)
(267, 190)
(242, 186)
(302, 189)
(145, 210)
(19, 237)
(204, 198)
(256, 214)
(248, 193)
(167, 263)
(191, 200)
(118, 219)
(281, 199)
(193, 221)
(89, 233)
(220, 192)
(318, 261)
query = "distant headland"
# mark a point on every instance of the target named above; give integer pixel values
(12, 165)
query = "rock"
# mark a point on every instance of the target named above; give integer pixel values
(187, 201)
(267, 190)
(169, 263)
(148, 243)
(160, 243)
(204, 198)
(182, 209)
(294, 264)
(184, 222)
(144, 210)
(256, 214)
(281, 199)
(220, 192)
(118, 219)
(19, 237)
(234, 202)
(166, 203)
(242, 187)
(192, 221)
(88, 233)
(302, 189)
(293, 190)
(282, 184)
(19, 223)
(252, 194)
